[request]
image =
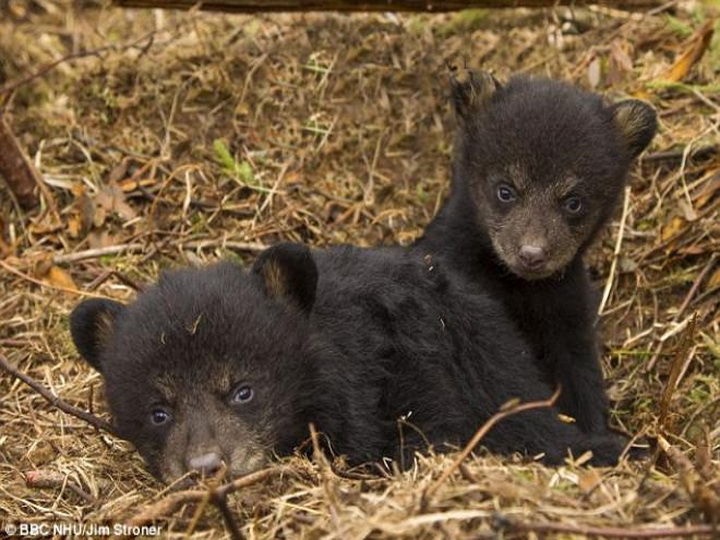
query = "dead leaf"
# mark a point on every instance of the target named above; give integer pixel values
(697, 45)
(709, 188)
(60, 278)
(619, 63)
(714, 281)
(673, 228)
(112, 199)
(99, 239)
(75, 225)
(594, 72)
(120, 205)
(119, 172)
(588, 479)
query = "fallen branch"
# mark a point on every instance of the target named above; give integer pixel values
(484, 429)
(55, 401)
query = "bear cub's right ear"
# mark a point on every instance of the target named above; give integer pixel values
(91, 325)
(288, 272)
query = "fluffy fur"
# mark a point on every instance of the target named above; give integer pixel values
(383, 351)
(538, 168)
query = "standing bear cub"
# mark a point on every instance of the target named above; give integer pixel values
(386, 353)
(537, 171)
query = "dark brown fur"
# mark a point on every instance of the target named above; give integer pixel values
(539, 166)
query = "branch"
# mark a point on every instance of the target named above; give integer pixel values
(487, 426)
(55, 401)
(167, 505)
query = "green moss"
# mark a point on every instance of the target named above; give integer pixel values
(680, 28)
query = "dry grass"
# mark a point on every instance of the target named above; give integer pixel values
(336, 129)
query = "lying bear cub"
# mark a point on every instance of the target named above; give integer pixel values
(224, 366)
(538, 168)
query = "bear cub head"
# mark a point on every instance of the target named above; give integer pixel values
(208, 368)
(543, 163)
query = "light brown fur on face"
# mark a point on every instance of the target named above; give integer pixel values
(205, 424)
(535, 218)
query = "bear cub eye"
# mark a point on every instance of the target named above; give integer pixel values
(241, 394)
(573, 204)
(506, 194)
(160, 416)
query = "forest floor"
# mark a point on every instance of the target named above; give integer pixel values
(170, 138)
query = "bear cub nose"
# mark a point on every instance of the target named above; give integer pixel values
(533, 257)
(207, 464)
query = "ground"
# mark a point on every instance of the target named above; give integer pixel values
(188, 137)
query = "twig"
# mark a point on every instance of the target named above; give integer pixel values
(686, 302)
(49, 285)
(170, 503)
(221, 242)
(484, 429)
(16, 168)
(508, 525)
(44, 479)
(97, 252)
(221, 504)
(207, 499)
(54, 400)
(616, 251)
(12, 85)
(700, 153)
(703, 497)
(326, 476)
(675, 370)
(107, 274)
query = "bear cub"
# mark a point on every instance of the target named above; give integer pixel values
(537, 170)
(386, 353)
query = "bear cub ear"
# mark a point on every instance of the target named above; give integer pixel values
(638, 123)
(91, 325)
(471, 90)
(288, 272)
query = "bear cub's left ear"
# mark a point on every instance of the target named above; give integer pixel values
(91, 326)
(288, 272)
(638, 123)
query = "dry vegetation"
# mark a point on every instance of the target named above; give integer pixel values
(187, 137)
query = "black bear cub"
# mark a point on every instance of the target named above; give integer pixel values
(386, 353)
(538, 168)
